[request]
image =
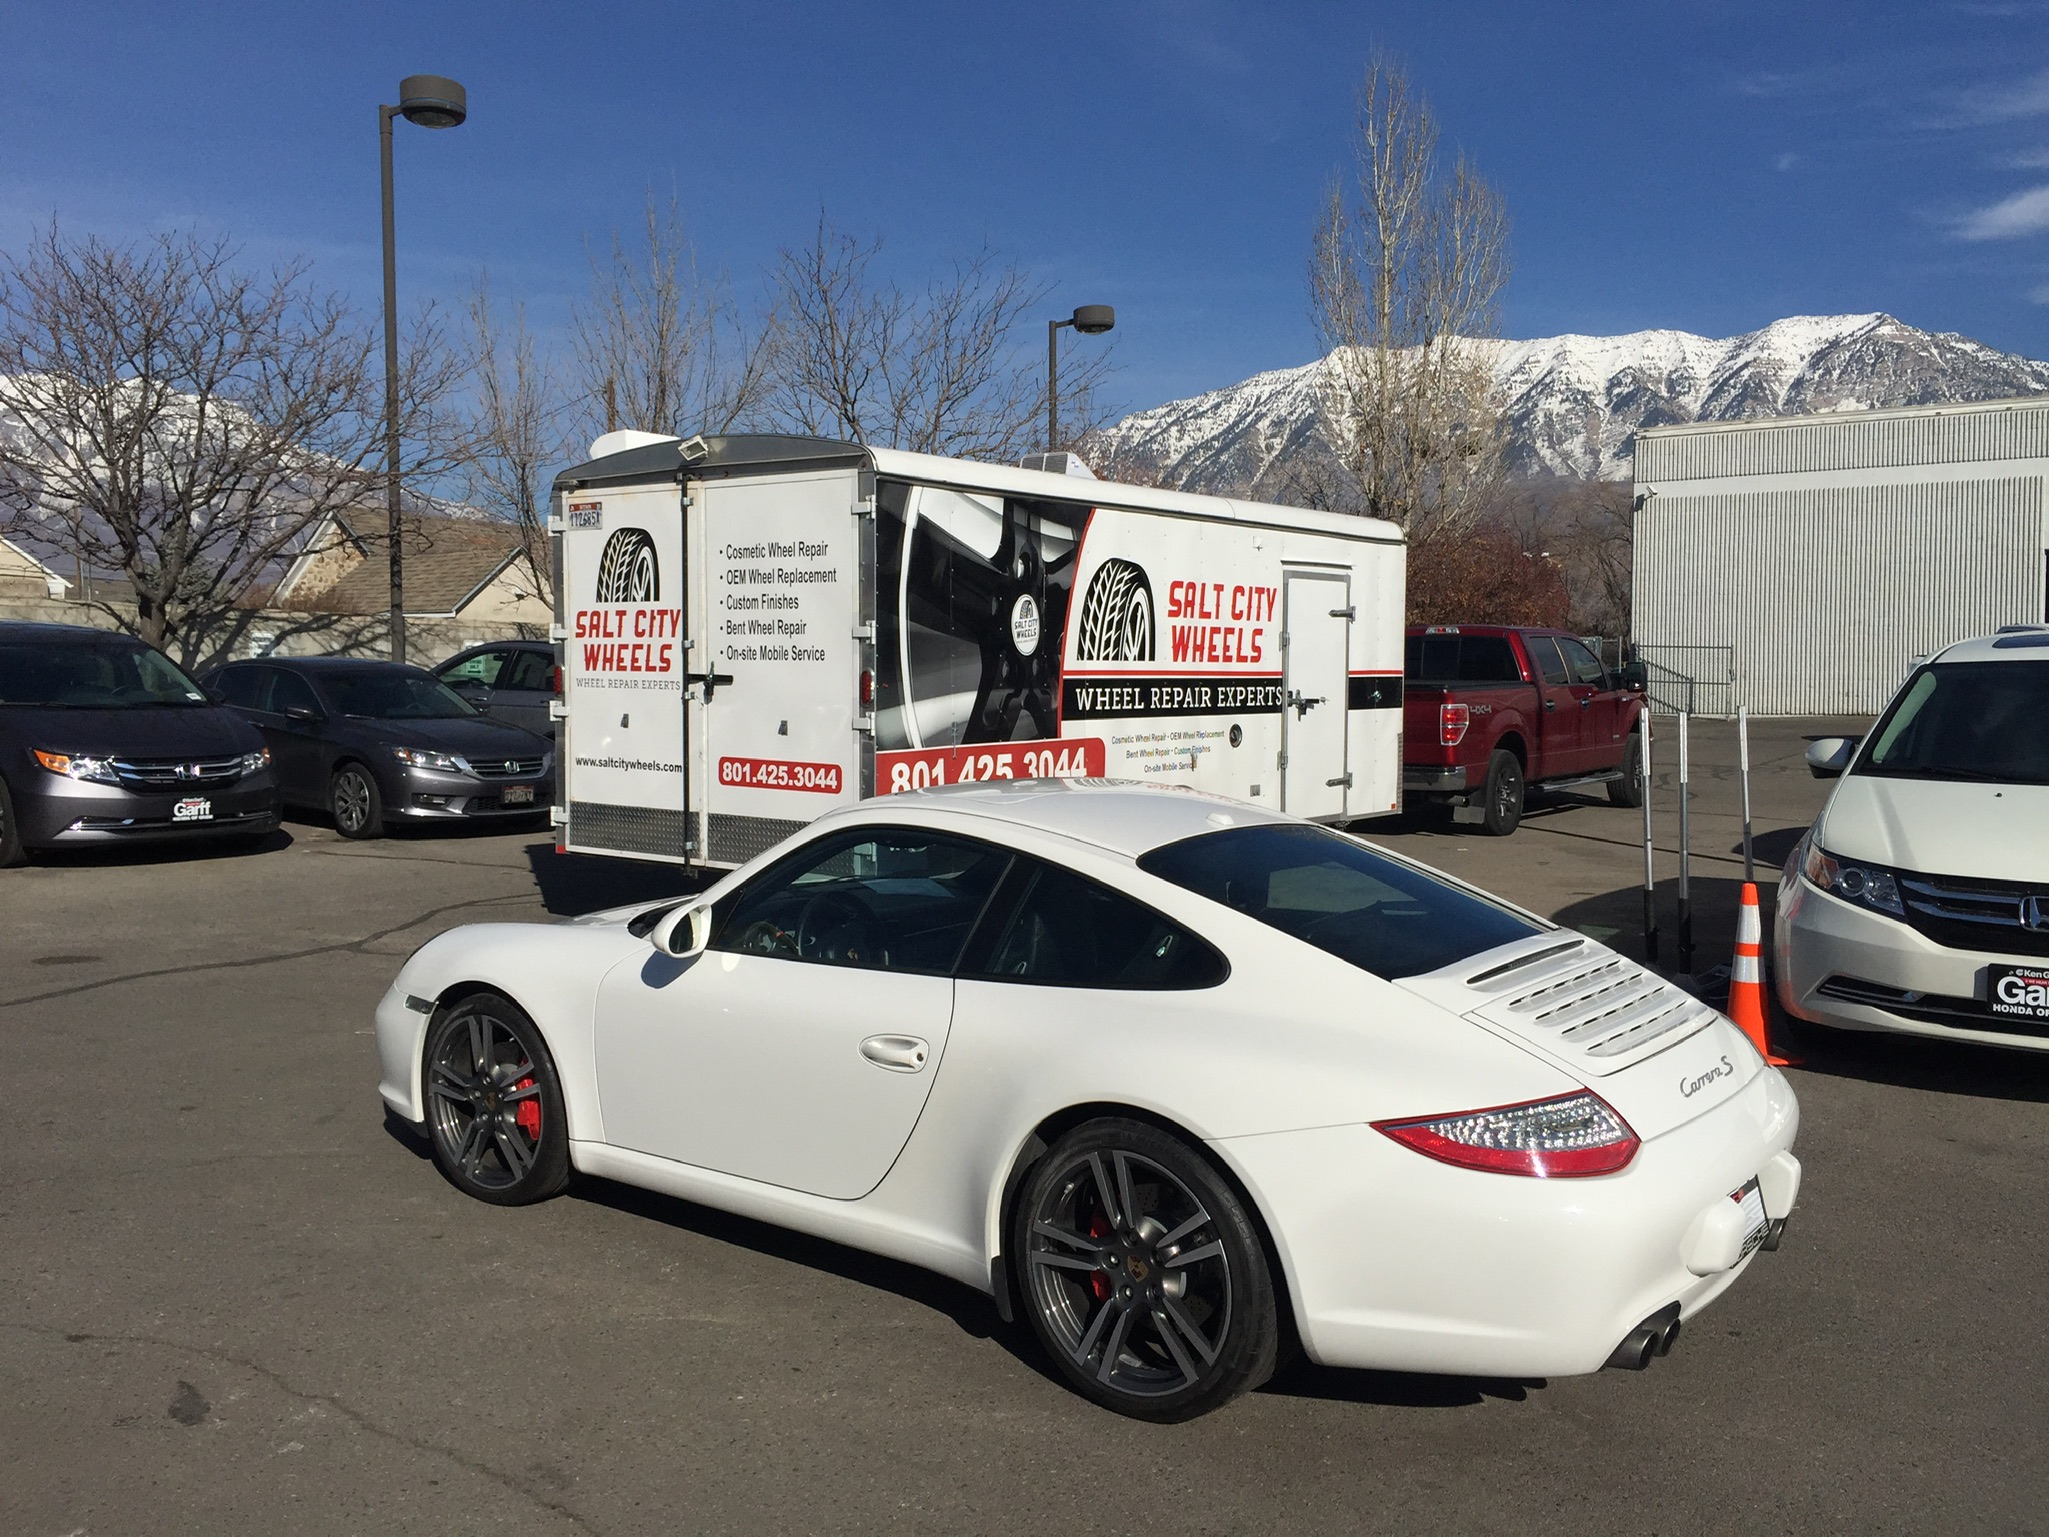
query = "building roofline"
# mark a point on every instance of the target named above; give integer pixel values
(1814, 418)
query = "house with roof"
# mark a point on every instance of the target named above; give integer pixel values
(469, 569)
(23, 575)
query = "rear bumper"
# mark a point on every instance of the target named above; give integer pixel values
(1834, 964)
(1407, 1264)
(68, 813)
(1423, 781)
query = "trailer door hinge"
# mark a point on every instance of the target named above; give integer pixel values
(864, 632)
(558, 632)
(1281, 761)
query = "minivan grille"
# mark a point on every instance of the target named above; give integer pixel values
(1966, 914)
(177, 773)
(1598, 1002)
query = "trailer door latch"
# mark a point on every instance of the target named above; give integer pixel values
(710, 680)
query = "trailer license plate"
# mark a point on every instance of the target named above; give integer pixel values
(517, 795)
(2018, 992)
(194, 810)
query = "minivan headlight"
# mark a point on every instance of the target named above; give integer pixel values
(77, 766)
(1865, 885)
(252, 761)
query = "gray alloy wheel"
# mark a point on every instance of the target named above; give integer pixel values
(1628, 790)
(1502, 807)
(11, 851)
(358, 808)
(494, 1103)
(1142, 1275)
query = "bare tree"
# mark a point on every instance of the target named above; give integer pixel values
(658, 346)
(944, 371)
(1408, 265)
(174, 418)
(516, 435)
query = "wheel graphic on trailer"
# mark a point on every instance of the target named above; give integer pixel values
(627, 572)
(1116, 615)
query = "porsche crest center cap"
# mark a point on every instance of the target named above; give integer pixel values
(1024, 625)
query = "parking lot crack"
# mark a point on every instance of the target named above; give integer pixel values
(241, 962)
(341, 1406)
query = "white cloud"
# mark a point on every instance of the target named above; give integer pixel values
(2024, 213)
(2028, 160)
(2039, 295)
(1787, 161)
(2027, 98)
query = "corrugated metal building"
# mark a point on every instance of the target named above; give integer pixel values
(1799, 565)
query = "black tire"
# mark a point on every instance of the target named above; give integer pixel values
(1502, 802)
(11, 851)
(1161, 1317)
(495, 1122)
(355, 802)
(1116, 615)
(627, 570)
(1628, 790)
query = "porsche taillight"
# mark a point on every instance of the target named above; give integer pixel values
(1452, 721)
(1563, 1138)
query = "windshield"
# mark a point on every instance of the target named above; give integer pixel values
(1338, 895)
(67, 675)
(1966, 720)
(393, 695)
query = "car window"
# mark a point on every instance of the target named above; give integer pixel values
(530, 670)
(1335, 893)
(1544, 652)
(394, 693)
(1069, 931)
(289, 691)
(889, 899)
(482, 668)
(1984, 721)
(1585, 666)
(243, 687)
(95, 675)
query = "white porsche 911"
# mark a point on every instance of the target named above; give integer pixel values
(1183, 1080)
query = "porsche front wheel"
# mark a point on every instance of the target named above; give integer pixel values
(1142, 1274)
(494, 1103)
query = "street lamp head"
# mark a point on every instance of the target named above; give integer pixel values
(432, 101)
(1094, 319)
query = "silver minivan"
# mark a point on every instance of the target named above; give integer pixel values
(1919, 900)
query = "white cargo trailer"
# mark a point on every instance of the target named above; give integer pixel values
(755, 629)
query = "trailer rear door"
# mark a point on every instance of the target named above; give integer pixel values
(1316, 618)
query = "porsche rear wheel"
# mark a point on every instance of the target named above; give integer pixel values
(1142, 1274)
(494, 1103)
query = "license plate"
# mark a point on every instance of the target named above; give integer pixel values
(1755, 1221)
(517, 795)
(2018, 992)
(194, 810)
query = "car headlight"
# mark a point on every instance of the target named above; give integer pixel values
(252, 761)
(1862, 884)
(416, 757)
(79, 766)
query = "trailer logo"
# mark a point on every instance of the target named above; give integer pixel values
(628, 571)
(1116, 615)
(1024, 624)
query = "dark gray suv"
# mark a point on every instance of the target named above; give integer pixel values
(105, 740)
(371, 742)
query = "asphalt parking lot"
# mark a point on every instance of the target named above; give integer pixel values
(231, 1300)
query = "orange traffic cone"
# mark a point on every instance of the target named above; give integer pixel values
(1746, 981)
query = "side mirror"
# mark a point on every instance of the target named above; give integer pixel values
(1633, 676)
(684, 933)
(1827, 758)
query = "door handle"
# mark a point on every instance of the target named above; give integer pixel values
(1584, 703)
(710, 680)
(898, 1053)
(1302, 706)
(1550, 704)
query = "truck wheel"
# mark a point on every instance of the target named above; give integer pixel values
(1503, 807)
(1628, 790)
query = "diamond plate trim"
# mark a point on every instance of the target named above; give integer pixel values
(736, 839)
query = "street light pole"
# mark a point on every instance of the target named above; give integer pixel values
(1090, 320)
(431, 101)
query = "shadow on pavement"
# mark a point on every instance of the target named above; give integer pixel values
(586, 883)
(1303, 1378)
(227, 846)
(1916, 1062)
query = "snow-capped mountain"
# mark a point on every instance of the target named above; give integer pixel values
(1573, 404)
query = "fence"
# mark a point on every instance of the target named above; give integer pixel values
(1700, 680)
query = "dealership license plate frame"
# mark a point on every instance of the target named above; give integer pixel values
(195, 808)
(2033, 1013)
(516, 795)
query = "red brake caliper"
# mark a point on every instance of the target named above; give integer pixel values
(528, 1115)
(1099, 1227)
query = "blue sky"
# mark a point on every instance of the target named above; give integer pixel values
(1709, 167)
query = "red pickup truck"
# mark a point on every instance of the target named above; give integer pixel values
(1492, 710)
